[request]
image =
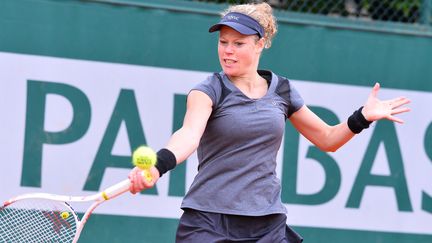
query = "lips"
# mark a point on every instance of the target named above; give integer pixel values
(229, 61)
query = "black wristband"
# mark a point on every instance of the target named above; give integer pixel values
(357, 122)
(166, 161)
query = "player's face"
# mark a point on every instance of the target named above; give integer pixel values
(238, 54)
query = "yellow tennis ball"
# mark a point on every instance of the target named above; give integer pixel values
(144, 157)
(64, 215)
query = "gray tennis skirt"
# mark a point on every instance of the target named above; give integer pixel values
(199, 227)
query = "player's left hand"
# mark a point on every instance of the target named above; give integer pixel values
(139, 182)
(376, 109)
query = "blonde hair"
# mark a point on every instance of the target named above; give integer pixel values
(261, 12)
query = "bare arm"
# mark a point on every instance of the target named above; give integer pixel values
(330, 138)
(185, 140)
(325, 137)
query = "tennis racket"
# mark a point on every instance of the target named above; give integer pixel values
(42, 217)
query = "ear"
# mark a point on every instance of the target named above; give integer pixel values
(260, 45)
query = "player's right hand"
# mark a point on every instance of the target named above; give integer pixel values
(139, 181)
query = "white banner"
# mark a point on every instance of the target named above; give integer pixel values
(65, 166)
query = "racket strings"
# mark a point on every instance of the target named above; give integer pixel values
(37, 220)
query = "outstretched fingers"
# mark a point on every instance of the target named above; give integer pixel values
(397, 102)
(375, 89)
(376, 109)
(395, 119)
(400, 110)
(396, 108)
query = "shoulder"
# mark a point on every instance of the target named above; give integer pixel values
(286, 90)
(214, 87)
(283, 87)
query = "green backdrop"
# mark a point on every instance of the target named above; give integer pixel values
(174, 34)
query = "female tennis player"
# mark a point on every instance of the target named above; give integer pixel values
(235, 119)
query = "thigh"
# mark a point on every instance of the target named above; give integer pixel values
(259, 229)
(198, 227)
(262, 229)
(255, 228)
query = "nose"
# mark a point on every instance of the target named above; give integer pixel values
(229, 49)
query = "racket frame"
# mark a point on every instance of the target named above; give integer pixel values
(98, 198)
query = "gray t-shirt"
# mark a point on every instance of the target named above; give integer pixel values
(237, 152)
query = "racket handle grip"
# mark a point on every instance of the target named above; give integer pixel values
(115, 190)
(122, 187)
